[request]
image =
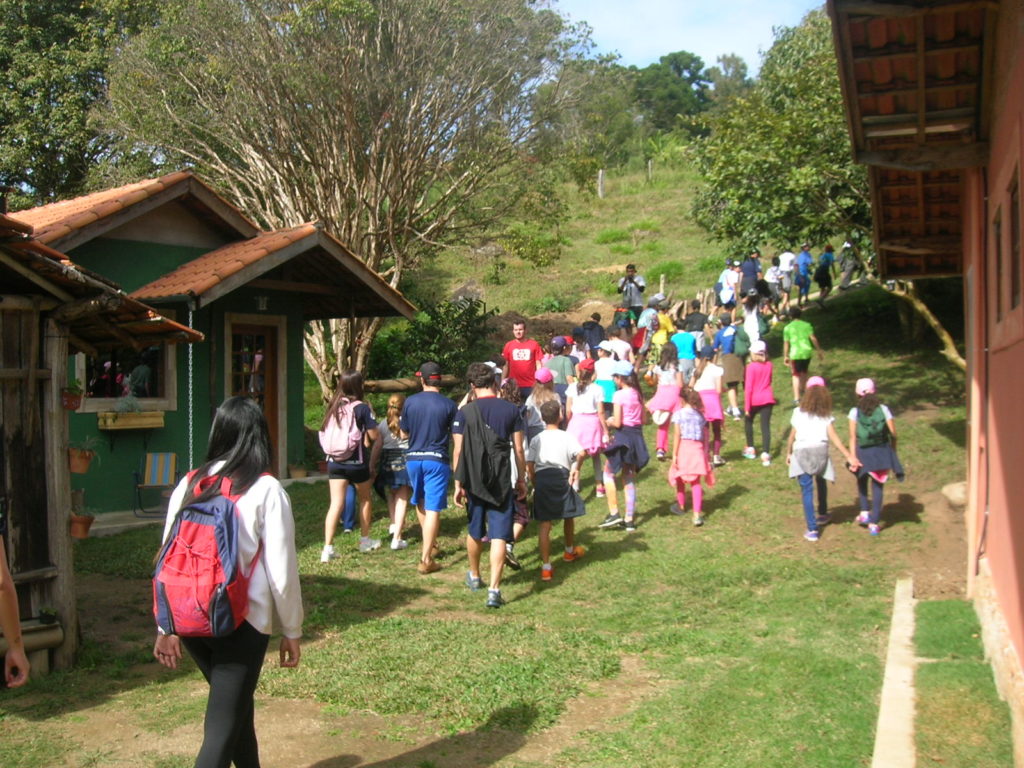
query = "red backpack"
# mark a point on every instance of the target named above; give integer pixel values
(341, 438)
(199, 586)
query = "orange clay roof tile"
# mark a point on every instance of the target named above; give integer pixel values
(53, 221)
(200, 275)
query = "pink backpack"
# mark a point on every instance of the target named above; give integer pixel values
(341, 438)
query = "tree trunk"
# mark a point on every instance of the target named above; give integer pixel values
(906, 291)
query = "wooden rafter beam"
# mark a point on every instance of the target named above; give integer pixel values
(923, 246)
(873, 8)
(928, 157)
(87, 307)
(36, 278)
(296, 287)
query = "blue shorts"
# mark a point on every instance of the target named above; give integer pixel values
(486, 521)
(429, 481)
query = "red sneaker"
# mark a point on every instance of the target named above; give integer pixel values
(576, 554)
(546, 574)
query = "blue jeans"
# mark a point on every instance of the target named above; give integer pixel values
(877, 489)
(807, 483)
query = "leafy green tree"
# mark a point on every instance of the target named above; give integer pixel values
(589, 118)
(400, 124)
(777, 164)
(673, 89)
(53, 58)
(728, 79)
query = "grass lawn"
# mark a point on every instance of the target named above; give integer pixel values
(736, 644)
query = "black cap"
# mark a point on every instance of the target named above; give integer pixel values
(429, 371)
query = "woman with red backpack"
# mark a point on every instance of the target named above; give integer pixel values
(255, 508)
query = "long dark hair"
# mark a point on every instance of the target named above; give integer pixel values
(350, 388)
(239, 437)
(867, 404)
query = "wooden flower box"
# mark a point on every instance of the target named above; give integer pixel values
(134, 420)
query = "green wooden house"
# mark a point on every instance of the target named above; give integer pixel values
(175, 245)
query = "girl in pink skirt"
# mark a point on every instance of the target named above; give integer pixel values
(666, 398)
(690, 454)
(584, 402)
(708, 384)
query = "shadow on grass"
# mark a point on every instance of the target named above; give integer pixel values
(904, 510)
(103, 673)
(503, 734)
(955, 431)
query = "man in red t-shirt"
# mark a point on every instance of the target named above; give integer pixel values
(522, 359)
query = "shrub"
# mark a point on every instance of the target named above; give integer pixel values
(608, 236)
(451, 333)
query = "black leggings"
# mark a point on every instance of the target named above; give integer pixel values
(766, 426)
(231, 665)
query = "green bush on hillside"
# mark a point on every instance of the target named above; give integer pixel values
(608, 236)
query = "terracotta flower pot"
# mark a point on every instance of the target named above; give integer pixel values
(80, 525)
(297, 471)
(321, 467)
(71, 401)
(80, 460)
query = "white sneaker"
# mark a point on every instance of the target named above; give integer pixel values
(327, 554)
(366, 544)
(766, 459)
(399, 543)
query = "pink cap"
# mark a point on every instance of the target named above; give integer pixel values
(544, 375)
(864, 387)
(815, 381)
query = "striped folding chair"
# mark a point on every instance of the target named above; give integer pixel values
(159, 472)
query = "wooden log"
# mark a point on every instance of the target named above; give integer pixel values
(94, 305)
(410, 384)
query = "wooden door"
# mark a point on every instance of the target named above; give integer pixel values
(253, 372)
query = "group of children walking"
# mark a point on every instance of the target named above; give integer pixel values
(600, 421)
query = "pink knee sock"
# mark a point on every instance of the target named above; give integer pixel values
(698, 498)
(661, 443)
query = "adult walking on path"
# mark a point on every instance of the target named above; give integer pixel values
(873, 442)
(427, 421)
(798, 345)
(632, 287)
(522, 359)
(240, 454)
(487, 436)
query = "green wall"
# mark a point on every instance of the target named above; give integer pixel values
(109, 484)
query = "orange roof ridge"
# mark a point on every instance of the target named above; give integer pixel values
(203, 273)
(54, 220)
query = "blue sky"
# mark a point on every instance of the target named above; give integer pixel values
(644, 30)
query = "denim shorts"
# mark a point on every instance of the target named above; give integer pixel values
(486, 521)
(429, 481)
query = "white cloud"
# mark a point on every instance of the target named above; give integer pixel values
(644, 30)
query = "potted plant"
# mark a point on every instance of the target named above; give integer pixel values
(297, 471)
(47, 615)
(80, 523)
(81, 454)
(71, 395)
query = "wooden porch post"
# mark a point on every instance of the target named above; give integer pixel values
(58, 494)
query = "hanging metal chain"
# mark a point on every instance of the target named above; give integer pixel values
(191, 425)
